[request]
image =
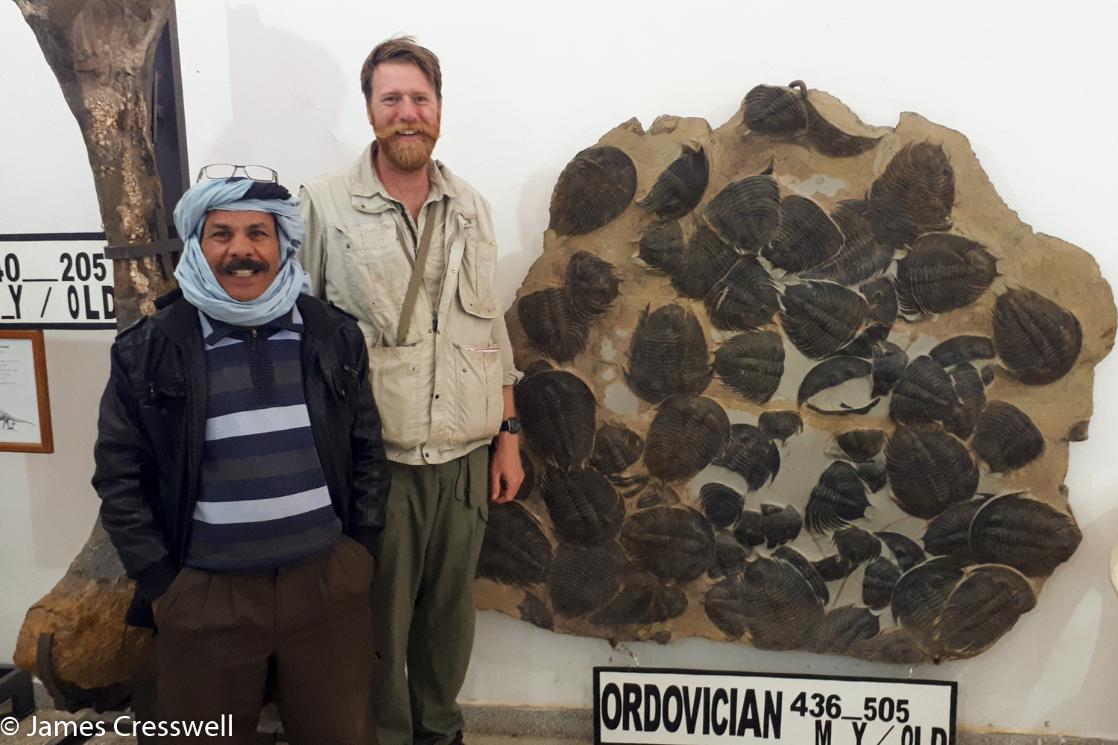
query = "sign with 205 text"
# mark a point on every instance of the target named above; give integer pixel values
(691, 707)
(56, 280)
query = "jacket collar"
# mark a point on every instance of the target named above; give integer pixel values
(364, 182)
(179, 319)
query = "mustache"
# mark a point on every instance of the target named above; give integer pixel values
(241, 263)
(418, 127)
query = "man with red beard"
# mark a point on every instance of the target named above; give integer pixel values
(408, 248)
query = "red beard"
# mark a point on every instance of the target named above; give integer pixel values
(412, 153)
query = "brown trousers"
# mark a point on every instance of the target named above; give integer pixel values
(304, 629)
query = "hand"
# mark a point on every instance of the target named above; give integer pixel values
(506, 473)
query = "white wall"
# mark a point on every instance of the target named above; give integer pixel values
(527, 85)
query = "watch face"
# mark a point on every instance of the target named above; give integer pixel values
(513, 425)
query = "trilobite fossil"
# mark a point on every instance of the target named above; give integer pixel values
(674, 543)
(1038, 340)
(593, 189)
(929, 470)
(1006, 438)
(668, 355)
(751, 454)
(746, 213)
(838, 497)
(557, 412)
(744, 298)
(805, 238)
(551, 324)
(943, 272)
(515, 550)
(820, 317)
(591, 285)
(582, 504)
(751, 364)
(680, 187)
(685, 435)
(914, 195)
(616, 447)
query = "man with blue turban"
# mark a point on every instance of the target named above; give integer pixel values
(243, 480)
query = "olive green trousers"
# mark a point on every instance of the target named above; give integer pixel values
(423, 606)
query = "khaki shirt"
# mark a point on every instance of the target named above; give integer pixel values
(439, 393)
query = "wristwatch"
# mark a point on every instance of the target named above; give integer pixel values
(511, 425)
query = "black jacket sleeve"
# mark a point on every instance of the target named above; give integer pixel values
(371, 478)
(125, 469)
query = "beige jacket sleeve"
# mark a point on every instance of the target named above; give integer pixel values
(312, 254)
(501, 337)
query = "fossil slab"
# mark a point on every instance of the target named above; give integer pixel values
(809, 384)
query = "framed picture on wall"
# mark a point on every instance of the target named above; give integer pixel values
(24, 398)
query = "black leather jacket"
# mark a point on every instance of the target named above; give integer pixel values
(151, 432)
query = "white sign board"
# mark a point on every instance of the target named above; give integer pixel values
(56, 280)
(692, 707)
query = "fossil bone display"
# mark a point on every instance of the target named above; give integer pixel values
(798, 382)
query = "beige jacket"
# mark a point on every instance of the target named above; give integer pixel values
(439, 393)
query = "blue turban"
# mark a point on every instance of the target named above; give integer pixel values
(196, 278)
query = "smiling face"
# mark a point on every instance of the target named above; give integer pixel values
(243, 250)
(405, 114)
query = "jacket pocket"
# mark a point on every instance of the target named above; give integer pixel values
(404, 412)
(162, 408)
(477, 289)
(480, 400)
(373, 273)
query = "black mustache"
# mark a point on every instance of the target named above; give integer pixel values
(240, 263)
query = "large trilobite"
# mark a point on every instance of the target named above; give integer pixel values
(924, 393)
(929, 470)
(515, 550)
(746, 213)
(820, 317)
(805, 238)
(582, 505)
(1006, 438)
(707, 259)
(751, 364)
(551, 323)
(861, 255)
(744, 298)
(591, 284)
(662, 247)
(680, 187)
(668, 355)
(595, 187)
(1026, 534)
(557, 412)
(616, 447)
(685, 435)
(914, 195)
(942, 272)
(1036, 339)
(982, 608)
(770, 600)
(674, 543)
(584, 578)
